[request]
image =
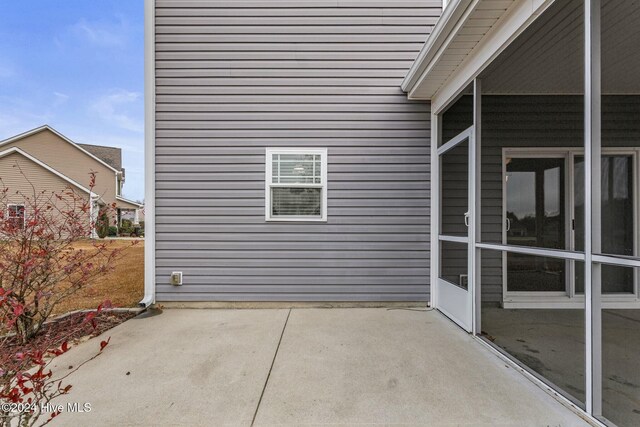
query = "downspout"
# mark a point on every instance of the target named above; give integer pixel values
(149, 155)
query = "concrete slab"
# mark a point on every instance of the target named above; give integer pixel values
(333, 366)
(187, 367)
(377, 366)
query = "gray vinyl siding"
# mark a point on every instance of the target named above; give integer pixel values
(532, 121)
(234, 77)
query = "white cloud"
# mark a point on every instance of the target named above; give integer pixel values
(114, 108)
(100, 33)
(16, 117)
(60, 98)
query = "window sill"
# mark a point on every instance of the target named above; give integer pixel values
(296, 219)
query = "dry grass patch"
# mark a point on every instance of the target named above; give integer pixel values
(123, 286)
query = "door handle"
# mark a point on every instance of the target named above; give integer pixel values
(508, 224)
(466, 218)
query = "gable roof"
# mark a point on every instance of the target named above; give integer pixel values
(110, 155)
(64, 138)
(16, 150)
(131, 202)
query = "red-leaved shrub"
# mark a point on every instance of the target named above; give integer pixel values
(40, 261)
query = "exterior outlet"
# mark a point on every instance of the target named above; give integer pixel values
(176, 278)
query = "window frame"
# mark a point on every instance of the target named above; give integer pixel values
(24, 213)
(569, 298)
(269, 152)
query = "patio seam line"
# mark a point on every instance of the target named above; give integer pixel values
(273, 361)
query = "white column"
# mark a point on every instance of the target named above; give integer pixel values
(592, 150)
(93, 215)
(435, 206)
(476, 268)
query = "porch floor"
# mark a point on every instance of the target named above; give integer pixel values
(301, 366)
(552, 343)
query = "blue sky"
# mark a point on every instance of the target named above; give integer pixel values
(77, 65)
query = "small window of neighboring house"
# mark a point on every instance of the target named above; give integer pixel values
(296, 184)
(15, 215)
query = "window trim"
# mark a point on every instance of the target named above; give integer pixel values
(269, 152)
(24, 213)
(569, 298)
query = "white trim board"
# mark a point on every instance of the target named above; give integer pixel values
(509, 26)
(149, 155)
(441, 35)
(455, 19)
(129, 201)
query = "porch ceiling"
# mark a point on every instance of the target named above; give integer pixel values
(524, 47)
(548, 57)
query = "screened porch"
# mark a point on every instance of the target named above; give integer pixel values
(536, 190)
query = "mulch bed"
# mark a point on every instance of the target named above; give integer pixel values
(71, 328)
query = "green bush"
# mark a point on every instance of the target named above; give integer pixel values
(113, 231)
(102, 224)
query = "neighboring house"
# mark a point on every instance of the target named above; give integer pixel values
(368, 151)
(49, 161)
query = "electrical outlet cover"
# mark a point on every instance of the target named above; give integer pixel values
(176, 278)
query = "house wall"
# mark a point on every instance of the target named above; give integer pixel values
(50, 149)
(531, 121)
(233, 79)
(13, 170)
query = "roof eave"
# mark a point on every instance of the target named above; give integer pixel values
(441, 32)
(49, 128)
(131, 202)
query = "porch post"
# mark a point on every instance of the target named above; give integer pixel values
(435, 207)
(592, 150)
(476, 270)
(93, 215)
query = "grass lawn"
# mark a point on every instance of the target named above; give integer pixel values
(123, 286)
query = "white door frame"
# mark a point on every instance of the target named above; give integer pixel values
(454, 301)
(468, 315)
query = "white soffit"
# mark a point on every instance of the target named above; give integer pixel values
(463, 25)
(465, 40)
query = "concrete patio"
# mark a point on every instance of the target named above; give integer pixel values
(301, 367)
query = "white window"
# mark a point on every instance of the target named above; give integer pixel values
(15, 215)
(296, 184)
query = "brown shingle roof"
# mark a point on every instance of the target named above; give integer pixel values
(110, 155)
